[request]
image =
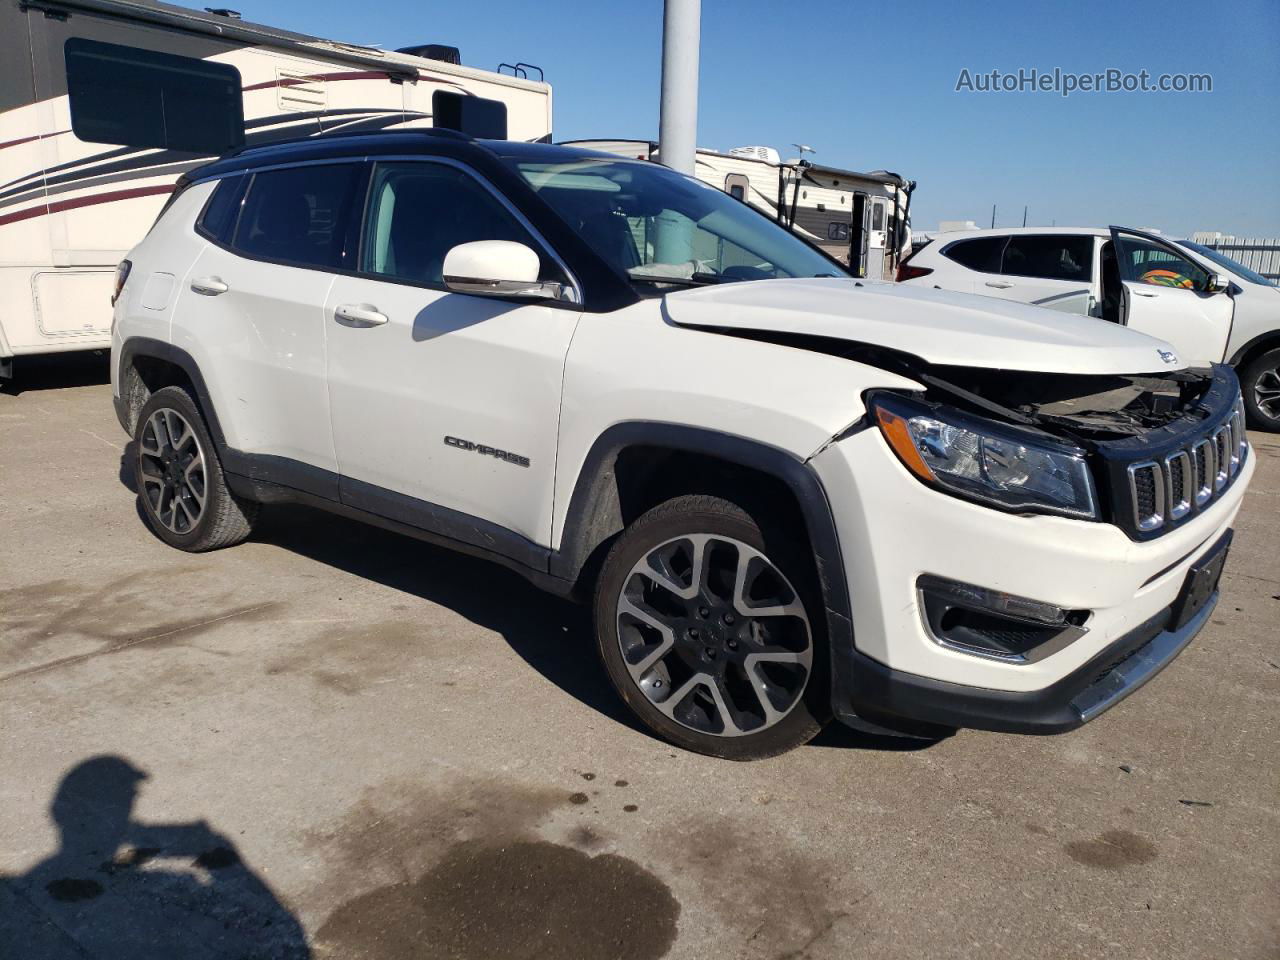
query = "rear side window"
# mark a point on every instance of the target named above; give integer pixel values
(141, 98)
(1051, 257)
(218, 221)
(299, 215)
(981, 253)
(475, 116)
(419, 211)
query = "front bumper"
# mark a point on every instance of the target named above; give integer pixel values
(894, 529)
(879, 693)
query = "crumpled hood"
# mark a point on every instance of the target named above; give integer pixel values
(939, 326)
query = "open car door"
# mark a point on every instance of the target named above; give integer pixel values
(1168, 295)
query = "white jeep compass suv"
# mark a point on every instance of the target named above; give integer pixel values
(787, 493)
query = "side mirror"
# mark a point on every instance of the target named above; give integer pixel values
(1219, 282)
(497, 268)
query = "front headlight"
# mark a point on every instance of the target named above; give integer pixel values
(985, 461)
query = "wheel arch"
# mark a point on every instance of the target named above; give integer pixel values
(155, 364)
(1260, 344)
(596, 512)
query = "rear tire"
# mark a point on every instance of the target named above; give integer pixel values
(1260, 385)
(711, 629)
(181, 488)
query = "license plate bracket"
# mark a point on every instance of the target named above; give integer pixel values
(1200, 584)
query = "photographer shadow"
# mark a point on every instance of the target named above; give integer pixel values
(121, 888)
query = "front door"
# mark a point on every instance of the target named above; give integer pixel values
(445, 406)
(1166, 295)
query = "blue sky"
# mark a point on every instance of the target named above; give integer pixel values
(873, 86)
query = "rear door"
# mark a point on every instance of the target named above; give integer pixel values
(1051, 270)
(252, 315)
(971, 265)
(1165, 294)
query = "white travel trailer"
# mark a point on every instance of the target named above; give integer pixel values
(105, 103)
(862, 219)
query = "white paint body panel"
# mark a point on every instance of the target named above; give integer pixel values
(483, 370)
(938, 326)
(1197, 324)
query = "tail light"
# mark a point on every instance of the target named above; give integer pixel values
(907, 272)
(122, 275)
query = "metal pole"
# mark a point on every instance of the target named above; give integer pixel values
(678, 117)
(678, 114)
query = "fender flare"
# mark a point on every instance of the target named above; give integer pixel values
(593, 514)
(1271, 337)
(152, 349)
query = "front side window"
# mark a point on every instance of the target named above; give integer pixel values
(299, 215)
(1142, 261)
(981, 253)
(418, 212)
(142, 98)
(659, 227)
(1051, 257)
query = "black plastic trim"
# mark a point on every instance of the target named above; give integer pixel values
(892, 696)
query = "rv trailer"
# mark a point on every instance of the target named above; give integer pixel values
(105, 103)
(861, 219)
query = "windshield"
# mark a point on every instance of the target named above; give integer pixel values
(662, 229)
(1222, 260)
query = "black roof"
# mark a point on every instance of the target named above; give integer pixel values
(428, 142)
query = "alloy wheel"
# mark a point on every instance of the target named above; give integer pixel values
(173, 470)
(714, 635)
(1266, 392)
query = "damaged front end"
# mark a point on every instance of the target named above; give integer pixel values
(1146, 452)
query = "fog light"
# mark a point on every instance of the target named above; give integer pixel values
(994, 624)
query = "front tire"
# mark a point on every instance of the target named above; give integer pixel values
(711, 631)
(181, 488)
(1260, 385)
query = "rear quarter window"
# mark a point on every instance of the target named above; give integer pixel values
(218, 219)
(981, 253)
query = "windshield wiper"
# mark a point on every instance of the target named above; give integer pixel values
(696, 280)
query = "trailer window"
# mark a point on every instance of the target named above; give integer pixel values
(474, 116)
(142, 98)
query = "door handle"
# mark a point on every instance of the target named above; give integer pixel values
(359, 315)
(1145, 293)
(999, 284)
(209, 286)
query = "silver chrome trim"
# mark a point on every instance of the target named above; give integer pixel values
(1127, 676)
(1155, 519)
(1203, 453)
(1222, 443)
(1181, 462)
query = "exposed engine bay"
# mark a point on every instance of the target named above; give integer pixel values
(1096, 407)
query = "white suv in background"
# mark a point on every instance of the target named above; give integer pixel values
(786, 493)
(1212, 309)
